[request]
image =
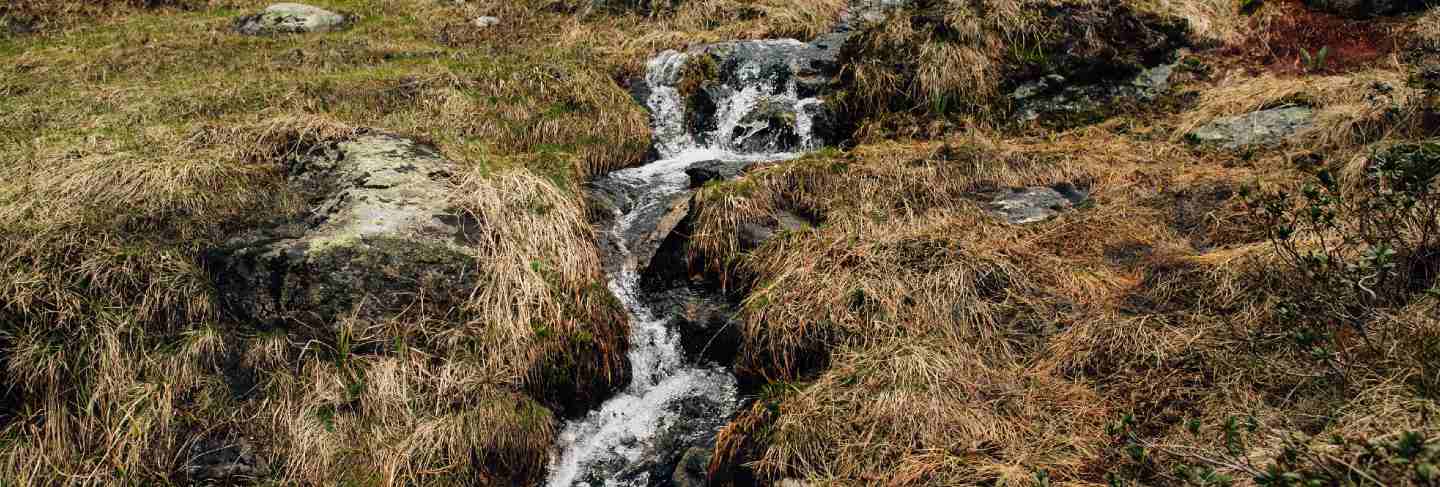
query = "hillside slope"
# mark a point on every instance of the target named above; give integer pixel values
(1234, 281)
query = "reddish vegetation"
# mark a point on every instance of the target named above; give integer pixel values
(1284, 28)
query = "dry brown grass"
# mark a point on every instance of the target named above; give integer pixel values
(130, 142)
(1352, 110)
(940, 59)
(880, 326)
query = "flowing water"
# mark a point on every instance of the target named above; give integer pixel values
(617, 444)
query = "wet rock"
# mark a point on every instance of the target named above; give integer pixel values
(218, 459)
(1367, 8)
(770, 125)
(1053, 100)
(693, 469)
(787, 79)
(292, 18)
(706, 321)
(380, 232)
(654, 222)
(1256, 129)
(692, 427)
(1020, 206)
(718, 170)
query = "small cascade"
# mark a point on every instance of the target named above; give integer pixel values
(673, 400)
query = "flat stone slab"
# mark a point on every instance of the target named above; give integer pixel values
(1020, 206)
(1256, 129)
(380, 232)
(292, 18)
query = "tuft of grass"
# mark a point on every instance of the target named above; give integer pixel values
(134, 136)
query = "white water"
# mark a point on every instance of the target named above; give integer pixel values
(592, 449)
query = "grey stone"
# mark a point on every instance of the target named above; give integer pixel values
(1052, 97)
(1256, 129)
(292, 18)
(716, 170)
(380, 232)
(1020, 206)
(769, 125)
(861, 14)
(617, 196)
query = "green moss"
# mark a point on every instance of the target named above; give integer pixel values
(697, 71)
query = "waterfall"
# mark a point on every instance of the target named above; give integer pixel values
(611, 445)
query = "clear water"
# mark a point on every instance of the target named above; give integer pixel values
(594, 449)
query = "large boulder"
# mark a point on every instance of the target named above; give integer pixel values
(292, 18)
(380, 233)
(1256, 129)
(1367, 8)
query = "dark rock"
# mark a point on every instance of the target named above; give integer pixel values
(783, 71)
(292, 18)
(693, 470)
(380, 232)
(697, 418)
(717, 170)
(611, 197)
(1056, 102)
(707, 322)
(217, 458)
(1367, 8)
(17, 25)
(769, 126)
(1256, 129)
(1020, 206)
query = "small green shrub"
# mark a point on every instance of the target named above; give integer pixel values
(1359, 249)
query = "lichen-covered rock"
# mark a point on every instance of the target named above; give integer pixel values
(380, 233)
(1256, 129)
(292, 18)
(1367, 8)
(864, 13)
(1020, 206)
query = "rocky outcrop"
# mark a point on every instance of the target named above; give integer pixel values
(1256, 129)
(1057, 102)
(784, 84)
(1367, 8)
(292, 18)
(380, 233)
(1020, 206)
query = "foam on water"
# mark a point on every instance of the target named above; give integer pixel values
(592, 449)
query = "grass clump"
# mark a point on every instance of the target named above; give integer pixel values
(908, 64)
(134, 141)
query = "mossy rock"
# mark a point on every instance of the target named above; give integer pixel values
(382, 238)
